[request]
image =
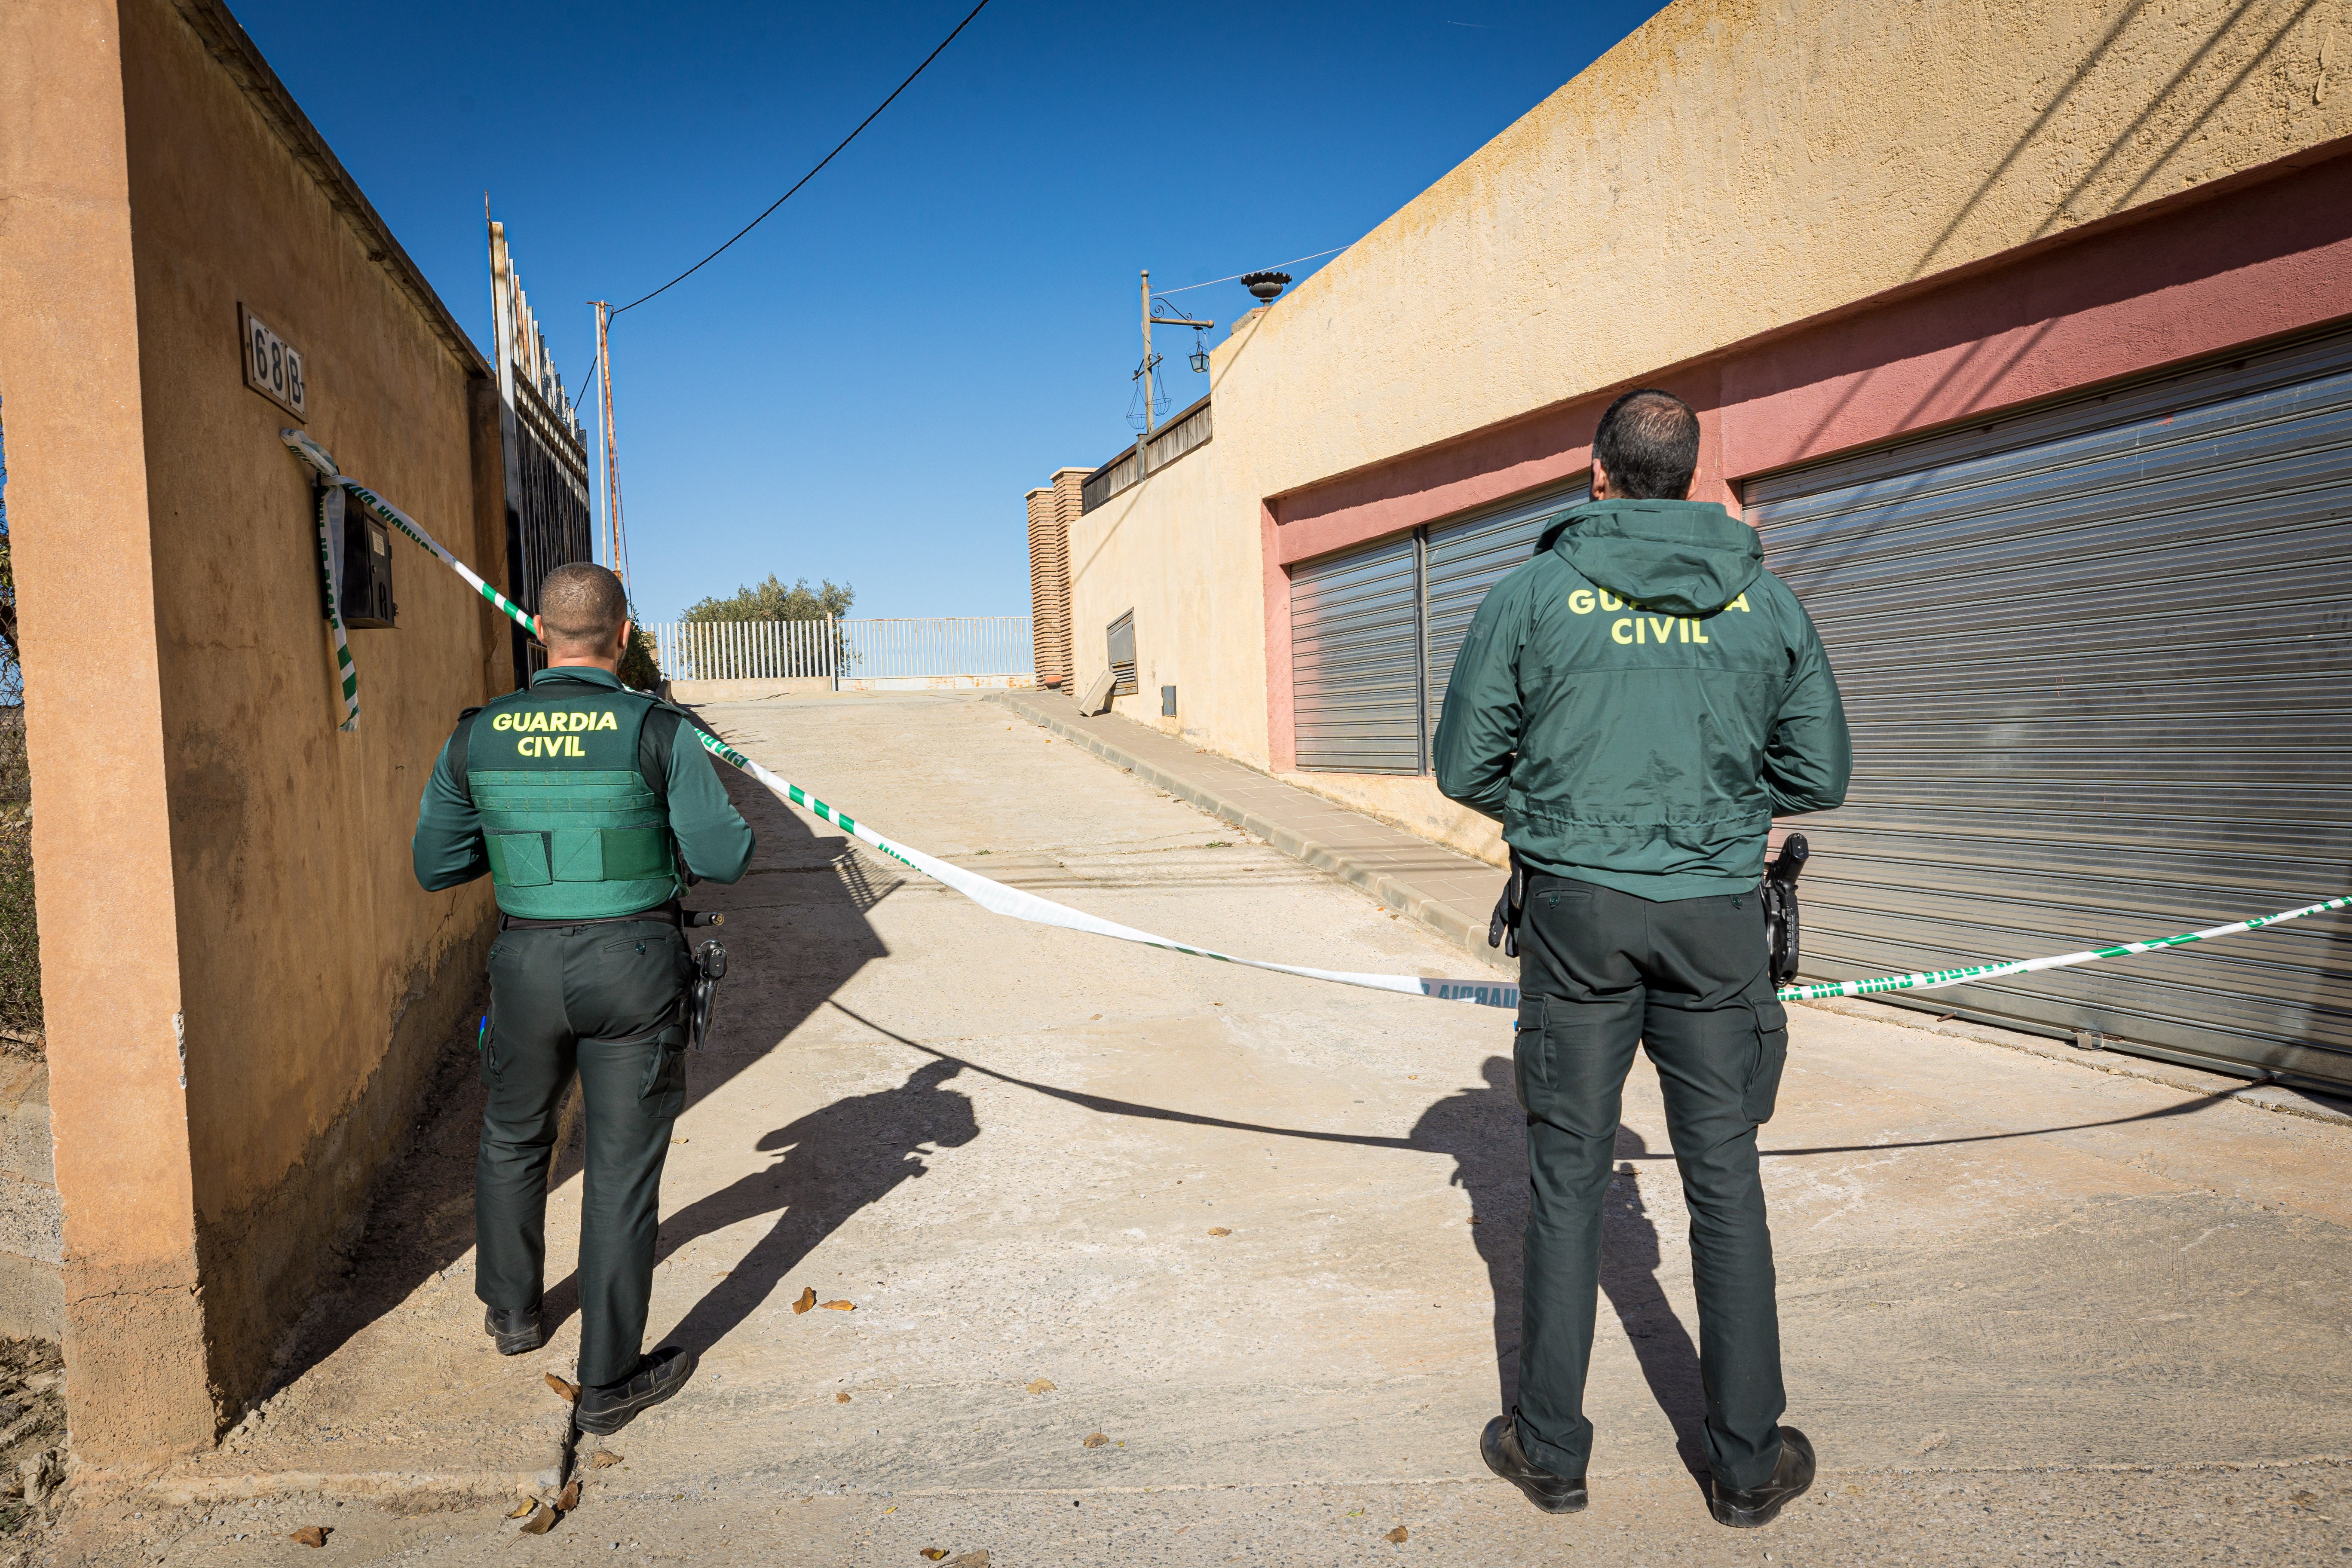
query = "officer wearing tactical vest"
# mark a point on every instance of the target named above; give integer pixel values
(589, 804)
(1636, 704)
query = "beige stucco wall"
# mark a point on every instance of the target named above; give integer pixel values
(244, 985)
(1165, 549)
(1727, 170)
(1732, 168)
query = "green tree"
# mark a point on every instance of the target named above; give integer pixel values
(640, 664)
(772, 601)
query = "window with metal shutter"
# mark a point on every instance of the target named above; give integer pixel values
(2095, 662)
(1465, 558)
(1119, 637)
(1355, 666)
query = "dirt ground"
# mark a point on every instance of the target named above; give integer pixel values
(1261, 1236)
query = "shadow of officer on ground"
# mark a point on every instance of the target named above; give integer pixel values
(1628, 1278)
(834, 1161)
(1484, 1131)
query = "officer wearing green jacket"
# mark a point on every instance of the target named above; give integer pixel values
(588, 804)
(1636, 704)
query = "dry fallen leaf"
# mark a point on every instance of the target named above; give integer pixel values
(1475, 1220)
(542, 1522)
(1398, 1535)
(1043, 1386)
(603, 1457)
(841, 1399)
(523, 1508)
(569, 1498)
(1094, 1440)
(1220, 1230)
(934, 1552)
(838, 1305)
(807, 1300)
(311, 1535)
(567, 1392)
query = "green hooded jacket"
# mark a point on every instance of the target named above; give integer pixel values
(1638, 701)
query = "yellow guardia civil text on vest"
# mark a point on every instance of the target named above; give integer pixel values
(574, 827)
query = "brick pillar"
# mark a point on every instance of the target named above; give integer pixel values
(1052, 508)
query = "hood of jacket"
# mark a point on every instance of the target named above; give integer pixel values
(1685, 558)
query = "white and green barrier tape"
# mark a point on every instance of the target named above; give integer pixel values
(320, 460)
(998, 899)
(331, 572)
(1935, 979)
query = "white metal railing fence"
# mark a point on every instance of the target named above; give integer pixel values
(845, 650)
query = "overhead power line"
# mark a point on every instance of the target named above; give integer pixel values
(812, 174)
(1291, 262)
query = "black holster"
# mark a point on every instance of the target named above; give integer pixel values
(702, 995)
(1779, 895)
(1502, 929)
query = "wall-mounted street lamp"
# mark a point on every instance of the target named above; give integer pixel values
(1198, 360)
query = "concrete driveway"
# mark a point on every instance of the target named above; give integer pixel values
(1260, 1234)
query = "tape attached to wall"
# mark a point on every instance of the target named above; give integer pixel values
(998, 899)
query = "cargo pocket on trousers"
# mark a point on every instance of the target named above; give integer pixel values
(1530, 1065)
(664, 1091)
(1771, 1058)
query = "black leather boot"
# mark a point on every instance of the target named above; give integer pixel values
(1745, 1510)
(517, 1333)
(606, 1408)
(1499, 1447)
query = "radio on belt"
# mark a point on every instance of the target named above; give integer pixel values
(364, 547)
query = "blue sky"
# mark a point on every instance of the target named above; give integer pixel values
(863, 387)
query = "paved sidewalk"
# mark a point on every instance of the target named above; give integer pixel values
(1452, 894)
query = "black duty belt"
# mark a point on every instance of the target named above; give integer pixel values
(668, 914)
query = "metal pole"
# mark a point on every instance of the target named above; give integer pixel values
(1143, 447)
(612, 455)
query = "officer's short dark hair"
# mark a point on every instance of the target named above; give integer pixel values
(582, 605)
(1648, 440)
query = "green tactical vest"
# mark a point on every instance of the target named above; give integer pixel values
(574, 828)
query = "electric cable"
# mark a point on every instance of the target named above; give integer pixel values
(581, 396)
(1291, 262)
(812, 174)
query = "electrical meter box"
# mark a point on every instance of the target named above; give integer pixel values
(364, 547)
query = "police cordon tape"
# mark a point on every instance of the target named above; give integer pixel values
(1935, 979)
(998, 899)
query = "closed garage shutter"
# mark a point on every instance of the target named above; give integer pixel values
(2097, 664)
(1355, 668)
(1465, 557)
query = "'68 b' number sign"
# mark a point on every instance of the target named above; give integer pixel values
(272, 367)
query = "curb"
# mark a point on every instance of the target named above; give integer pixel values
(1388, 890)
(2116, 1060)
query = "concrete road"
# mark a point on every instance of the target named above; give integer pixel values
(1261, 1235)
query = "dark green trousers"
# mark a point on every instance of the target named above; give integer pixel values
(1599, 973)
(600, 1000)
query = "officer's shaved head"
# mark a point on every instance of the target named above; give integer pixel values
(581, 608)
(1649, 443)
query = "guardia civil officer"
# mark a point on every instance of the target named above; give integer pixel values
(587, 804)
(1636, 704)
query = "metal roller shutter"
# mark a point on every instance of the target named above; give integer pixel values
(1355, 669)
(1465, 557)
(2096, 664)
